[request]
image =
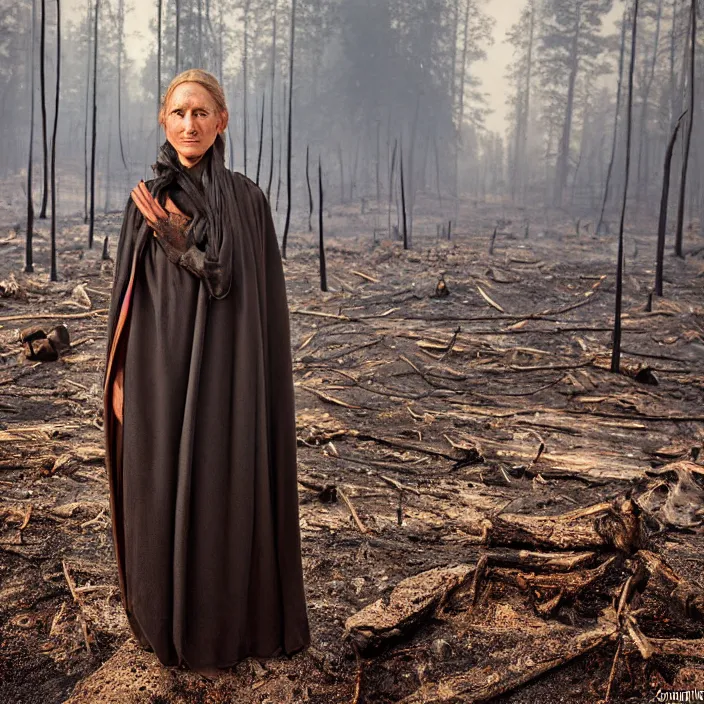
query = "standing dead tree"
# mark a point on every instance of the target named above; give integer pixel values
(688, 137)
(392, 169)
(53, 274)
(290, 126)
(271, 101)
(664, 200)
(42, 88)
(261, 137)
(310, 192)
(245, 89)
(91, 218)
(616, 352)
(120, 53)
(323, 268)
(86, 171)
(29, 257)
(403, 203)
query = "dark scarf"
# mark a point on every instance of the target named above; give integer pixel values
(210, 202)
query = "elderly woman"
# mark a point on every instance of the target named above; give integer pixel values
(199, 405)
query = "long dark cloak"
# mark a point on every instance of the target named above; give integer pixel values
(202, 467)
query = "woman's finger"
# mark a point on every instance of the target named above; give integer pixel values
(143, 207)
(155, 205)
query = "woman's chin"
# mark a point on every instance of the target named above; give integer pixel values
(190, 155)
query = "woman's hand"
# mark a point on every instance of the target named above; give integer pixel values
(148, 205)
(170, 226)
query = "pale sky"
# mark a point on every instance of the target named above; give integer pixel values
(491, 72)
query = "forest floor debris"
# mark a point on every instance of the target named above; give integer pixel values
(482, 501)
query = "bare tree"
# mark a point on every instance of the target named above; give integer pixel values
(310, 191)
(120, 52)
(290, 123)
(664, 200)
(53, 274)
(271, 102)
(91, 219)
(245, 89)
(261, 137)
(42, 88)
(323, 268)
(616, 352)
(87, 117)
(29, 257)
(688, 137)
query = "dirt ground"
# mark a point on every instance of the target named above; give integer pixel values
(435, 431)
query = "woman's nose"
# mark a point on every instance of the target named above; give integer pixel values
(189, 123)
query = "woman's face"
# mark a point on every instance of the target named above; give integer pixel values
(192, 122)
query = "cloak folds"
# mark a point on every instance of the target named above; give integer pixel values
(201, 454)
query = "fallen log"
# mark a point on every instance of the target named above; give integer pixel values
(411, 603)
(603, 525)
(557, 561)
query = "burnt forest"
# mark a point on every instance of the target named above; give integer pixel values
(491, 220)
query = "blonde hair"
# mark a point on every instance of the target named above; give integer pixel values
(203, 78)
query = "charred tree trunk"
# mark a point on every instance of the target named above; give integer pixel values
(120, 48)
(87, 119)
(289, 155)
(607, 186)
(310, 191)
(323, 268)
(271, 102)
(688, 138)
(53, 274)
(261, 137)
(342, 173)
(42, 88)
(392, 168)
(664, 200)
(403, 204)
(91, 220)
(282, 117)
(245, 90)
(411, 171)
(616, 352)
(29, 256)
(378, 163)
